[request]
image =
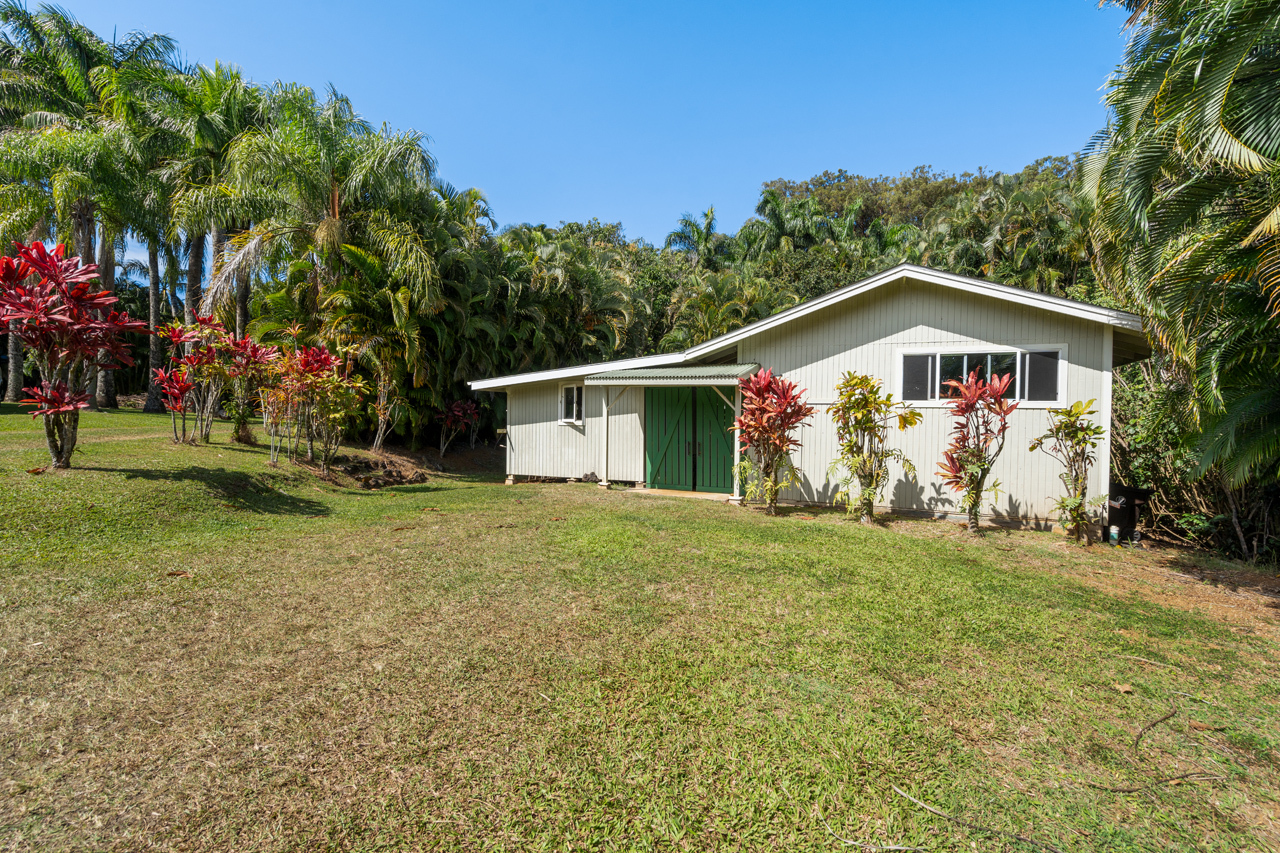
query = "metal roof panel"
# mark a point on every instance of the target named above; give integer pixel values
(700, 374)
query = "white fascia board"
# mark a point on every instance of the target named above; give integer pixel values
(1017, 295)
(500, 382)
(1004, 292)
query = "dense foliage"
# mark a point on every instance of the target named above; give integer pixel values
(1187, 233)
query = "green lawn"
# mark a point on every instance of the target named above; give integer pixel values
(467, 665)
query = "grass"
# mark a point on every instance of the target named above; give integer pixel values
(204, 652)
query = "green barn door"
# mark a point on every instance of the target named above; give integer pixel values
(715, 441)
(668, 438)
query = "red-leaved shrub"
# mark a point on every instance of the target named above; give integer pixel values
(977, 437)
(70, 331)
(772, 409)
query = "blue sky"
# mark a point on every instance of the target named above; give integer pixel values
(639, 112)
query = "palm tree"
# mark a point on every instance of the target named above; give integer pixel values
(72, 156)
(707, 307)
(1187, 227)
(784, 224)
(698, 240)
(198, 114)
(381, 323)
(317, 177)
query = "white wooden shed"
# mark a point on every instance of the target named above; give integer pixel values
(664, 420)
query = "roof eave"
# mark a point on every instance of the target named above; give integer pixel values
(1003, 292)
(995, 290)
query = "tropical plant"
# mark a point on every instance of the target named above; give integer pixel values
(863, 414)
(772, 410)
(176, 390)
(306, 391)
(982, 412)
(1073, 440)
(698, 240)
(69, 331)
(457, 418)
(71, 162)
(316, 178)
(1187, 227)
(783, 224)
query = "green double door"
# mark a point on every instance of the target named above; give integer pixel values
(688, 438)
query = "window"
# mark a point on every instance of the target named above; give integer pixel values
(570, 404)
(1035, 373)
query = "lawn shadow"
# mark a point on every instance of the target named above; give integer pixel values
(235, 489)
(425, 488)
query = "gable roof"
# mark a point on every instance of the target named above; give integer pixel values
(1129, 324)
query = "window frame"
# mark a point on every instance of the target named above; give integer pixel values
(582, 404)
(975, 349)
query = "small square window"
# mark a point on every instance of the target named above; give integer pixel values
(570, 404)
(917, 377)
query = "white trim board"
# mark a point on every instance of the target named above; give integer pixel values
(580, 370)
(1057, 305)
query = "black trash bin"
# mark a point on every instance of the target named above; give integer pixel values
(1125, 505)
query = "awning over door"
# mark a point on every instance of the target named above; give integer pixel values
(683, 377)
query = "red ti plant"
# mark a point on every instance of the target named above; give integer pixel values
(772, 408)
(977, 437)
(215, 360)
(177, 393)
(248, 368)
(70, 331)
(457, 417)
(306, 391)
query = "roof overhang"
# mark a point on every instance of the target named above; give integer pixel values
(1130, 342)
(683, 377)
(577, 372)
(1129, 346)
(1003, 292)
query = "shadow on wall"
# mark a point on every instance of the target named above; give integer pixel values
(1014, 515)
(910, 494)
(823, 493)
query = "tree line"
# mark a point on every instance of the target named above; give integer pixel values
(282, 211)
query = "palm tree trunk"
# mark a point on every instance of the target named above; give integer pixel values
(217, 242)
(106, 391)
(242, 303)
(13, 391)
(195, 272)
(172, 275)
(84, 225)
(155, 353)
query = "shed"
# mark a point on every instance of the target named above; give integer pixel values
(665, 421)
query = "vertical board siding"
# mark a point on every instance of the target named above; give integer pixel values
(866, 335)
(540, 446)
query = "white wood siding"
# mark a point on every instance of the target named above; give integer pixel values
(868, 335)
(539, 446)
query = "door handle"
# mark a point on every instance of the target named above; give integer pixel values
(687, 451)
(699, 448)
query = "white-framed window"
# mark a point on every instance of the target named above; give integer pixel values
(571, 404)
(1039, 372)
